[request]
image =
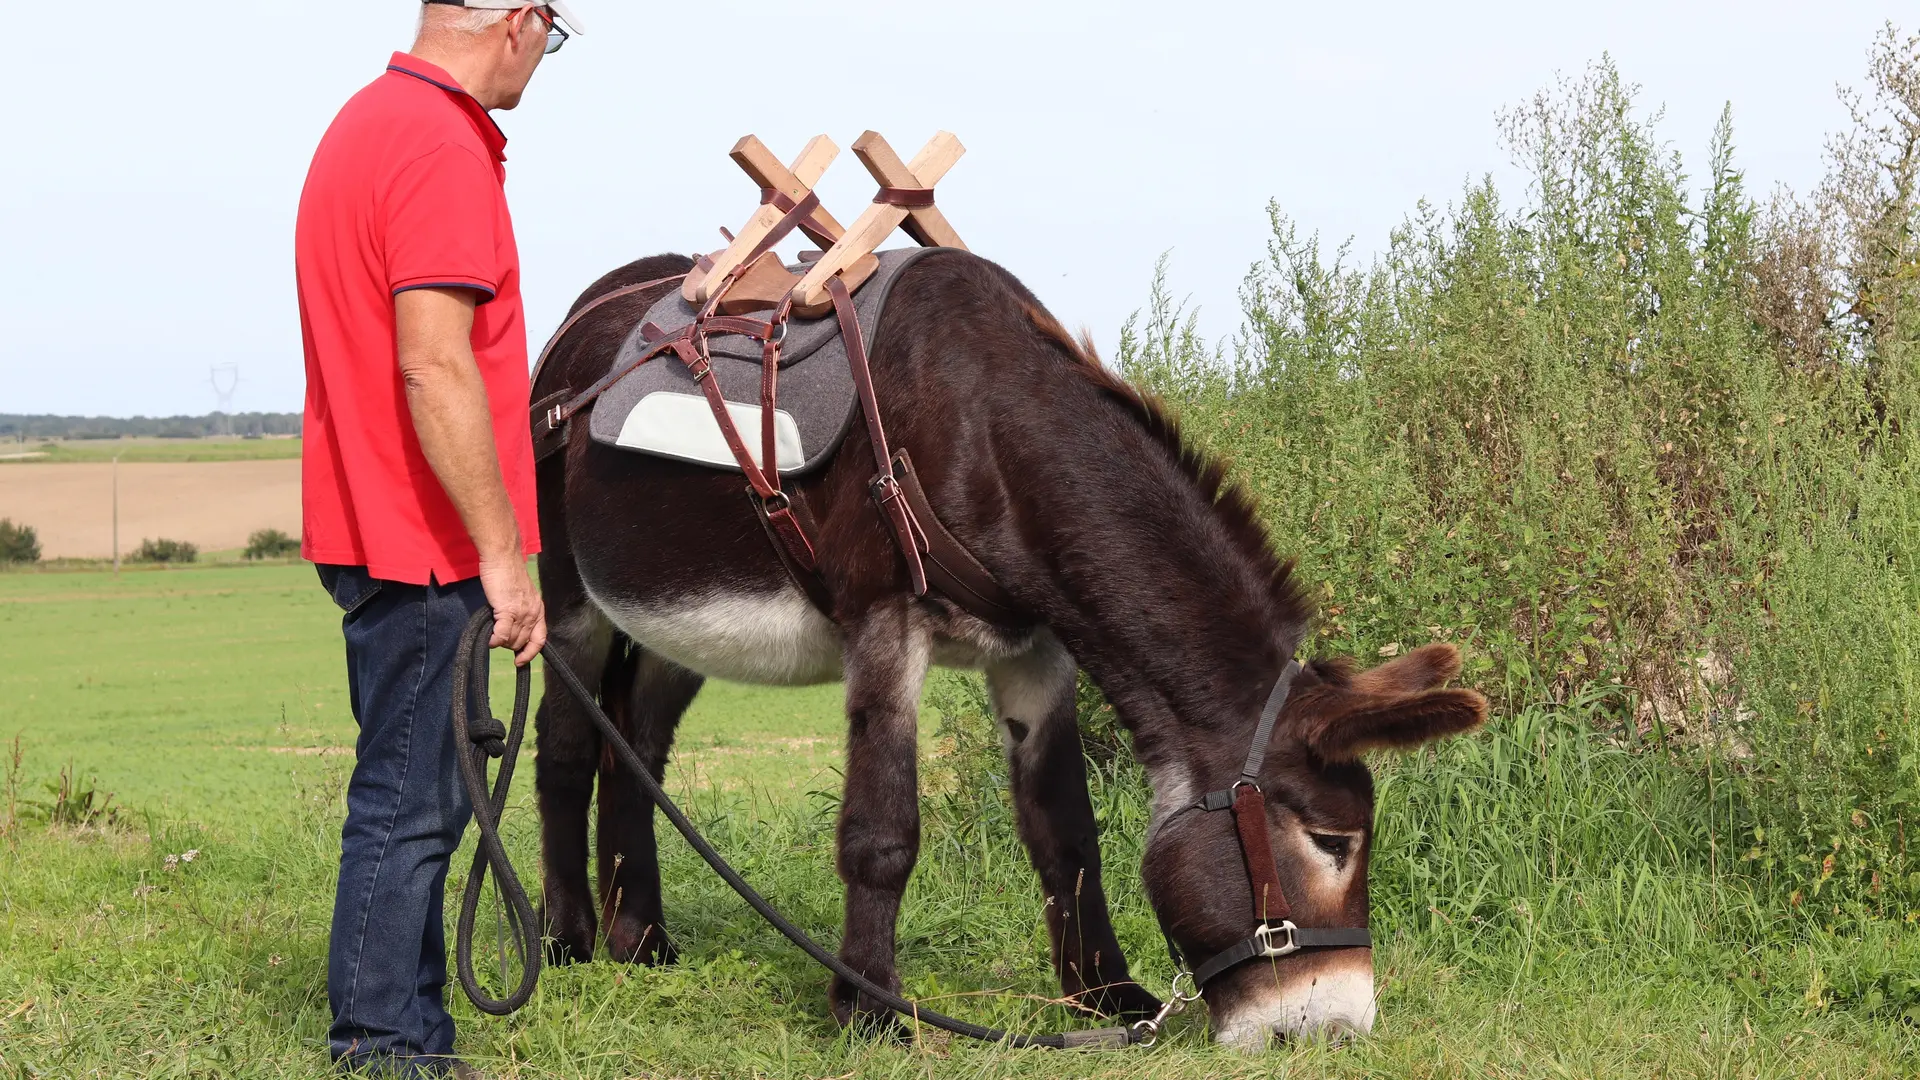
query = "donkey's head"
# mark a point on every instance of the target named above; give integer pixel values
(1318, 801)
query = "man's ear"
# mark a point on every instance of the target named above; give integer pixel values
(1428, 667)
(1392, 723)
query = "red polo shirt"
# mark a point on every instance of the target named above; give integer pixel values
(406, 192)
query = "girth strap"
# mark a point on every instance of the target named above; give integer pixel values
(884, 487)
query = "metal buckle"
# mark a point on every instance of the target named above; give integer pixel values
(1263, 937)
(554, 419)
(701, 368)
(781, 498)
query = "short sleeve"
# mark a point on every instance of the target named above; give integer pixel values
(441, 220)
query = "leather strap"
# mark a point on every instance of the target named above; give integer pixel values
(884, 488)
(547, 440)
(1253, 948)
(815, 228)
(806, 579)
(951, 568)
(1256, 846)
(591, 306)
(912, 198)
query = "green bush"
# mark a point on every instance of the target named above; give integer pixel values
(1629, 434)
(166, 551)
(272, 544)
(18, 543)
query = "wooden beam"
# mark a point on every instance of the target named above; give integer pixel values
(768, 171)
(806, 172)
(879, 220)
(926, 224)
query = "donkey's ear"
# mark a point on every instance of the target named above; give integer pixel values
(1428, 667)
(1394, 723)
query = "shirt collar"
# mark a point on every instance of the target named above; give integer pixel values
(407, 64)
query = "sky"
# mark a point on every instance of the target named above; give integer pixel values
(151, 155)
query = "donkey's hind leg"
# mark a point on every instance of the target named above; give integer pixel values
(658, 696)
(1033, 700)
(887, 654)
(569, 748)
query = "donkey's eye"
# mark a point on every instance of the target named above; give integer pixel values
(1333, 844)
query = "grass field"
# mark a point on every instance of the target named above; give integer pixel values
(1533, 919)
(72, 451)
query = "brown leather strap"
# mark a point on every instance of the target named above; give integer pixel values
(547, 440)
(816, 229)
(951, 568)
(736, 324)
(884, 488)
(912, 198)
(1250, 821)
(806, 578)
(590, 394)
(592, 306)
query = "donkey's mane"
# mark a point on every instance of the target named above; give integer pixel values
(1233, 505)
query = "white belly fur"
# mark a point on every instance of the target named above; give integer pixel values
(770, 638)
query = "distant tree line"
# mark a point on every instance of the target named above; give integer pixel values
(21, 428)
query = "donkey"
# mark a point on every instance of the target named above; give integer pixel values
(1138, 562)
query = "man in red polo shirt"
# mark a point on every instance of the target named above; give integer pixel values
(417, 479)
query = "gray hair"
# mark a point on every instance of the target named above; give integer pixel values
(462, 20)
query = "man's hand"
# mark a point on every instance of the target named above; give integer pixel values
(448, 400)
(519, 614)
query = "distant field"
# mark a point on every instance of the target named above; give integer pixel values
(147, 450)
(214, 504)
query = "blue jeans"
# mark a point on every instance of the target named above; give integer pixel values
(406, 809)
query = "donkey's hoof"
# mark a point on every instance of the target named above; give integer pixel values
(865, 1016)
(647, 944)
(1127, 1000)
(569, 941)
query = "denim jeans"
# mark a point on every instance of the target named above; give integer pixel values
(406, 809)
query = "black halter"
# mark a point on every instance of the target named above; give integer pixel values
(1274, 934)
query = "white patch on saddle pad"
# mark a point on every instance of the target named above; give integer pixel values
(682, 426)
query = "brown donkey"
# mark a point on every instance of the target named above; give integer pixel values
(1137, 562)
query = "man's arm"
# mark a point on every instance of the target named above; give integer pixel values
(448, 400)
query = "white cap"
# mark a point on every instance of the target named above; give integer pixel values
(563, 11)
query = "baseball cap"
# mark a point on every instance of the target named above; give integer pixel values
(559, 9)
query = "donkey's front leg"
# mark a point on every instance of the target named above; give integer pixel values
(887, 653)
(1033, 700)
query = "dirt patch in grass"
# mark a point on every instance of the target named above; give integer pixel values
(212, 504)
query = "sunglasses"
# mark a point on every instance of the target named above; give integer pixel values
(556, 36)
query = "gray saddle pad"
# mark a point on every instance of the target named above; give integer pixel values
(659, 410)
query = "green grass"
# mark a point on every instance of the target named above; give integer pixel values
(1546, 903)
(148, 450)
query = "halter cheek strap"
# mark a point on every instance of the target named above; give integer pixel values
(1274, 933)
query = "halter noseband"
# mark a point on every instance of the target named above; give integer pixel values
(1274, 933)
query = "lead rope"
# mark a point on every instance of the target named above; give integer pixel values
(477, 733)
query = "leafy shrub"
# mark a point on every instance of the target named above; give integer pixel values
(1607, 438)
(70, 805)
(272, 544)
(166, 551)
(18, 543)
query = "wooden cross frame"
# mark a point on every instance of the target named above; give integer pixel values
(851, 256)
(792, 183)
